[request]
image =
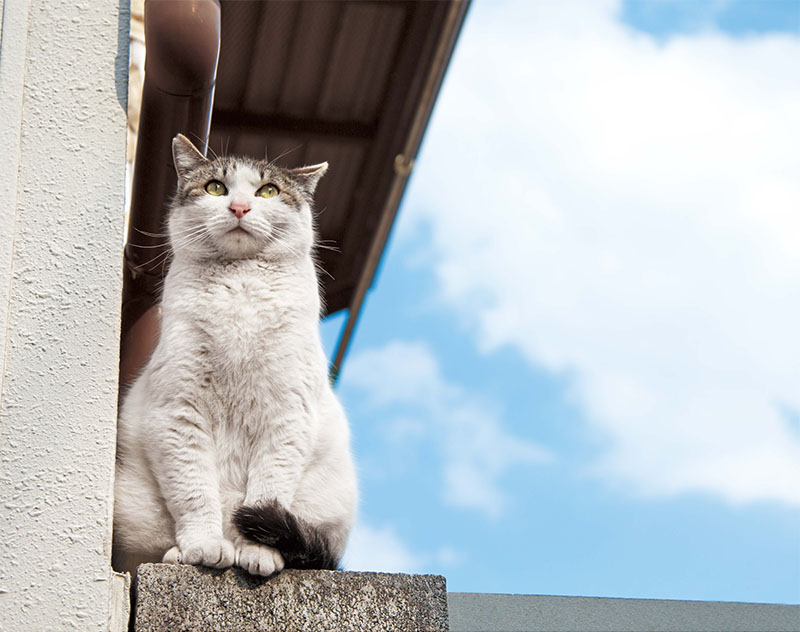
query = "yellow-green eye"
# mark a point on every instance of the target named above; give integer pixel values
(215, 187)
(268, 191)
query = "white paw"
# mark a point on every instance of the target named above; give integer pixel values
(257, 559)
(215, 552)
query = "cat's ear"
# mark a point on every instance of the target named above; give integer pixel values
(185, 155)
(308, 177)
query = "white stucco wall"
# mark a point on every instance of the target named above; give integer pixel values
(62, 156)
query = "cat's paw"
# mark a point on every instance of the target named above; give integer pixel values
(173, 556)
(215, 552)
(257, 559)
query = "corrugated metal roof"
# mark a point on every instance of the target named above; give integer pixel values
(347, 82)
(306, 82)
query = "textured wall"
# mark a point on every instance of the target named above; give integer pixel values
(60, 278)
(13, 29)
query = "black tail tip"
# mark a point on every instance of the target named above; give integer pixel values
(302, 545)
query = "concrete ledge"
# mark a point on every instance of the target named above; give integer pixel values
(180, 597)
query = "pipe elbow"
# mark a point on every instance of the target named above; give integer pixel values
(182, 39)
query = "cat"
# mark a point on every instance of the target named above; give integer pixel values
(232, 448)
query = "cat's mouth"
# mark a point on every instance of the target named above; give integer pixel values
(238, 231)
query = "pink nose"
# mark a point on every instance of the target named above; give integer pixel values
(239, 208)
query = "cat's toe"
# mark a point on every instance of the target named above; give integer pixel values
(173, 556)
(258, 559)
(214, 552)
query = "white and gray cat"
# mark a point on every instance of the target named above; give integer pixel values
(232, 448)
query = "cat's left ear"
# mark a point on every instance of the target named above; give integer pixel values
(185, 155)
(308, 177)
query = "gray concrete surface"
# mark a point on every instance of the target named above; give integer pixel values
(178, 598)
(470, 612)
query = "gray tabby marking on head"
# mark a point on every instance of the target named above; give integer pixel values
(208, 215)
(194, 170)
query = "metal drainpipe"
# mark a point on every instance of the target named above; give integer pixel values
(183, 40)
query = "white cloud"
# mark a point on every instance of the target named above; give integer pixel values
(629, 212)
(403, 382)
(380, 549)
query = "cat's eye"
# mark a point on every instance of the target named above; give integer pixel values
(215, 187)
(268, 191)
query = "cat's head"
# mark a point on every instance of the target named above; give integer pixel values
(236, 207)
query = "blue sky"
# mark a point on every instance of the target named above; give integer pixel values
(577, 372)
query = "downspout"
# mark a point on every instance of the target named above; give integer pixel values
(183, 41)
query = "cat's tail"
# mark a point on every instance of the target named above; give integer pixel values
(301, 544)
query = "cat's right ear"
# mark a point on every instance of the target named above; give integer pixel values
(185, 155)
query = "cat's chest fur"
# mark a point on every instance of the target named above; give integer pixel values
(245, 319)
(251, 332)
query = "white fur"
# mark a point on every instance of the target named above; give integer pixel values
(234, 406)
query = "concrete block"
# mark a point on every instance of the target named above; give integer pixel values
(181, 597)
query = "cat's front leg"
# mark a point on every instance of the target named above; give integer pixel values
(280, 454)
(273, 474)
(185, 467)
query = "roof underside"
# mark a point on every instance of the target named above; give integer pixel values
(342, 82)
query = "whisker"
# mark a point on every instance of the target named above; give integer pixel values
(175, 233)
(331, 248)
(147, 264)
(211, 151)
(164, 245)
(199, 140)
(144, 232)
(190, 240)
(272, 162)
(281, 235)
(324, 271)
(188, 232)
